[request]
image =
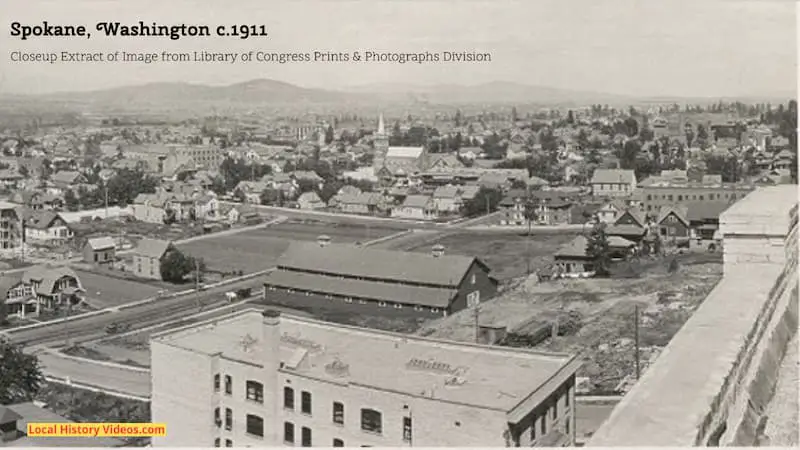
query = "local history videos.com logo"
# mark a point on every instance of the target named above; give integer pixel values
(97, 430)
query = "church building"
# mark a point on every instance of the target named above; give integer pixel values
(396, 162)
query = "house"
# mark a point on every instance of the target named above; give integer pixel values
(632, 216)
(149, 208)
(419, 207)
(447, 200)
(310, 200)
(11, 226)
(703, 218)
(673, 224)
(100, 251)
(610, 211)
(572, 260)
(14, 420)
(381, 282)
(206, 207)
(250, 191)
(442, 161)
(360, 203)
(46, 226)
(40, 288)
(147, 257)
(229, 214)
(67, 178)
(10, 179)
(613, 182)
(551, 207)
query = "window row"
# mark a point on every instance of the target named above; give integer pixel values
(254, 425)
(218, 441)
(254, 390)
(305, 436)
(371, 420)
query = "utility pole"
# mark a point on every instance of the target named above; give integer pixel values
(477, 323)
(636, 339)
(105, 185)
(488, 204)
(197, 283)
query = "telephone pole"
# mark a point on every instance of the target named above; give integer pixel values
(636, 339)
(197, 283)
(477, 323)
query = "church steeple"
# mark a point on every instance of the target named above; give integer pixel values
(381, 127)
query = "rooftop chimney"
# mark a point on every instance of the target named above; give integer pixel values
(438, 250)
(323, 240)
(271, 360)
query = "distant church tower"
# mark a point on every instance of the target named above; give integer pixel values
(381, 144)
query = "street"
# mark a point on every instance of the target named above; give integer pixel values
(114, 379)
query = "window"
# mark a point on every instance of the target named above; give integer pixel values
(217, 442)
(305, 402)
(305, 437)
(407, 429)
(338, 413)
(95, 257)
(669, 197)
(371, 421)
(649, 197)
(701, 197)
(566, 399)
(680, 197)
(338, 443)
(228, 385)
(255, 425)
(228, 443)
(473, 279)
(228, 419)
(555, 411)
(544, 425)
(255, 391)
(217, 417)
(566, 427)
(288, 432)
(434, 310)
(216, 383)
(288, 398)
(533, 430)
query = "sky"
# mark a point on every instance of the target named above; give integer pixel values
(691, 48)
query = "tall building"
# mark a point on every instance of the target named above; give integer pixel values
(11, 230)
(262, 379)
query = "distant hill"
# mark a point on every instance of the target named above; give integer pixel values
(254, 91)
(271, 92)
(494, 92)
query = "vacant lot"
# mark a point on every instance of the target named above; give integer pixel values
(508, 255)
(604, 332)
(104, 291)
(258, 249)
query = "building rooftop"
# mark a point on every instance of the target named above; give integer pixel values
(497, 378)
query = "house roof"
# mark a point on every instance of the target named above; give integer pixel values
(625, 230)
(679, 211)
(370, 290)
(152, 248)
(101, 243)
(448, 191)
(445, 270)
(416, 201)
(42, 219)
(613, 176)
(47, 276)
(7, 415)
(697, 211)
(65, 176)
(635, 213)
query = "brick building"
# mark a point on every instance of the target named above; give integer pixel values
(253, 379)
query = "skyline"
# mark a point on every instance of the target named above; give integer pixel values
(627, 47)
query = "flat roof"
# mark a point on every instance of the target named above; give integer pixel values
(497, 378)
(766, 210)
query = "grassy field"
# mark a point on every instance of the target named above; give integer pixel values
(604, 335)
(508, 255)
(103, 291)
(258, 249)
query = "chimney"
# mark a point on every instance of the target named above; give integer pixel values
(323, 240)
(271, 360)
(438, 250)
